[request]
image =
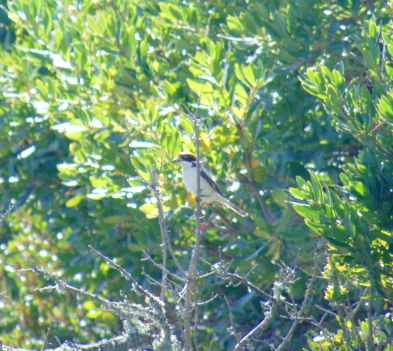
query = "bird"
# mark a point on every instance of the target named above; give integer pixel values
(209, 190)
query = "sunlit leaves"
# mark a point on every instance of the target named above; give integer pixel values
(62, 44)
(150, 210)
(75, 200)
(235, 25)
(94, 98)
(353, 217)
(385, 107)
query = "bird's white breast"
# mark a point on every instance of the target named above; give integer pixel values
(190, 181)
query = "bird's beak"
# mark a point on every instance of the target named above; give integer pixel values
(176, 160)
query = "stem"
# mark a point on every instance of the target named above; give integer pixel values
(192, 272)
(164, 233)
(370, 339)
(163, 227)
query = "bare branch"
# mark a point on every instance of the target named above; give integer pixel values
(233, 328)
(163, 227)
(192, 272)
(162, 268)
(47, 335)
(8, 210)
(269, 315)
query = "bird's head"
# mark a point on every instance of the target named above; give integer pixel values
(185, 159)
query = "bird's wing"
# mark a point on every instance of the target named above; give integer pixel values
(210, 181)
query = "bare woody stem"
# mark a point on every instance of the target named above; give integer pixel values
(192, 272)
(163, 230)
(163, 227)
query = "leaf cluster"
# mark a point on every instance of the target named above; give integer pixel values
(93, 96)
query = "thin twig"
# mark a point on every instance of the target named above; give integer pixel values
(370, 336)
(47, 335)
(248, 284)
(208, 301)
(224, 219)
(237, 337)
(163, 227)
(128, 276)
(269, 315)
(335, 315)
(163, 230)
(7, 211)
(214, 336)
(174, 275)
(156, 282)
(196, 315)
(341, 307)
(195, 254)
(299, 315)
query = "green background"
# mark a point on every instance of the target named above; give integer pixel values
(297, 106)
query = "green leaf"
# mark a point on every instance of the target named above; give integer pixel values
(364, 327)
(89, 305)
(333, 100)
(141, 164)
(94, 313)
(93, 25)
(316, 227)
(316, 187)
(280, 198)
(61, 42)
(339, 244)
(259, 172)
(369, 61)
(234, 24)
(170, 89)
(338, 80)
(176, 12)
(300, 182)
(279, 25)
(240, 93)
(197, 85)
(171, 12)
(74, 201)
(171, 140)
(261, 233)
(298, 194)
(361, 189)
(81, 56)
(385, 107)
(339, 233)
(250, 24)
(249, 74)
(99, 182)
(240, 74)
(147, 208)
(307, 212)
(150, 210)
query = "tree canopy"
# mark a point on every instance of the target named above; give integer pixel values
(290, 105)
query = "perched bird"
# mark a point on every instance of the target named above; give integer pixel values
(208, 188)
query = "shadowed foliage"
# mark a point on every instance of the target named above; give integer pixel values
(295, 101)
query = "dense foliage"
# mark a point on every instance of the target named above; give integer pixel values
(296, 104)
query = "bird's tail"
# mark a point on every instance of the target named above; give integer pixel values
(234, 208)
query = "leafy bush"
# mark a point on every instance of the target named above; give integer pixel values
(294, 99)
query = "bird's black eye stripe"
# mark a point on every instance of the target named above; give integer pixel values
(188, 158)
